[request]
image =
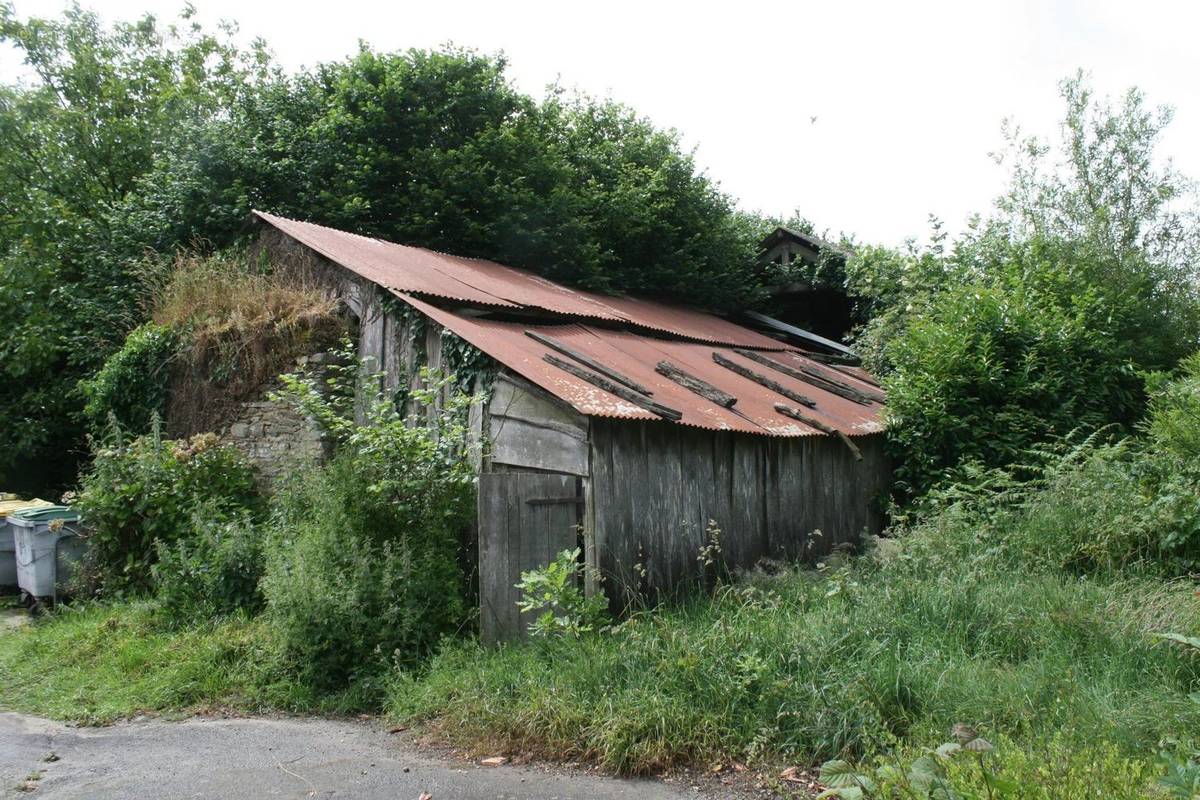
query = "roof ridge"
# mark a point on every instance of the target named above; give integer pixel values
(467, 279)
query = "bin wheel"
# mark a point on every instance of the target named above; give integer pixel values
(36, 607)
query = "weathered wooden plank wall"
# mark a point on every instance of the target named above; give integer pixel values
(528, 429)
(654, 488)
(516, 534)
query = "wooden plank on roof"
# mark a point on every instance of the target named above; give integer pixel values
(812, 376)
(763, 380)
(694, 384)
(612, 388)
(797, 414)
(588, 361)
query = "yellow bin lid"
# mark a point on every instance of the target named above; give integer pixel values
(9, 506)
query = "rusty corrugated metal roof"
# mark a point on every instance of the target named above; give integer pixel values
(418, 271)
(635, 356)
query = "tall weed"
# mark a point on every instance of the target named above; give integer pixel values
(363, 558)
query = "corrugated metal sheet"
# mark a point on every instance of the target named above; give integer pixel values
(425, 272)
(636, 356)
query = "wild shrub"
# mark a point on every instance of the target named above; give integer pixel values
(363, 561)
(1091, 508)
(989, 372)
(211, 571)
(556, 595)
(1173, 423)
(1042, 318)
(131, 388)
(970, 766)
(145, 491)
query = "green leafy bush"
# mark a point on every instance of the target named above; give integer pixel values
(1174, 419)
(131, 388)
(1054, 769)
(1043, 317)
(1092, 508)
(211, 571)
(363, 562)
(145, 491)
(556, 592)
(989, 372)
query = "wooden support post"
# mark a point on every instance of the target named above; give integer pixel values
(763, 380)
(588, 361)
(796, 414)
(614, 388)
(694, 384)
(812, 376)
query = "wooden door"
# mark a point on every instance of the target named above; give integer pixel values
(525, 520)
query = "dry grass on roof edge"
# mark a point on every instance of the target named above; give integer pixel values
(243, 320)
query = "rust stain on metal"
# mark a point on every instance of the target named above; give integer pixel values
(418, 271)
(636, 355)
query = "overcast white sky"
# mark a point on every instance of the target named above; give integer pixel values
(908, 96)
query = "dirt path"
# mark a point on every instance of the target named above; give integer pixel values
(268, 758)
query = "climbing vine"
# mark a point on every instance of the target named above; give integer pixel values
(473, 370)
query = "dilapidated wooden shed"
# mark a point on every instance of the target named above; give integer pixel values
(628, 428)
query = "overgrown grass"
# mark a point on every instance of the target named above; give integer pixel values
(807, 667)
(102, 663)
(244, 323)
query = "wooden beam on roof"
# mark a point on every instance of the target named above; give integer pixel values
(588, 361)
(812, 376)
(694, 384)
(613, 388)
(832, 359)
(797, 414)
(866, 377)
(763, 380)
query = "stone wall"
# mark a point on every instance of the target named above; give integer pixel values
(274, 436)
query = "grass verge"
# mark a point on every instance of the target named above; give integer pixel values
(102, 663)
(867, 660)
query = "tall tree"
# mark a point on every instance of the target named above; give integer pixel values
(437, 149)
(101, 104)
(1042, 318)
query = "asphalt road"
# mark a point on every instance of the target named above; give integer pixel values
(268, 758)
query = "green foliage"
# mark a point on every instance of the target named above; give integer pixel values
(437, 149)
(1182, 780)
(987, 373)
(143, 492)
(95, 664)
(130, 390)
(556, 592)
(211, 571)
(1041, 319)
(1048, 770)
(1092, 508)
(1174, 419)
(363, 562)
(102, 105)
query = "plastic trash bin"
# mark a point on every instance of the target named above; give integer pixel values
(48, 546)
(8, 547)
